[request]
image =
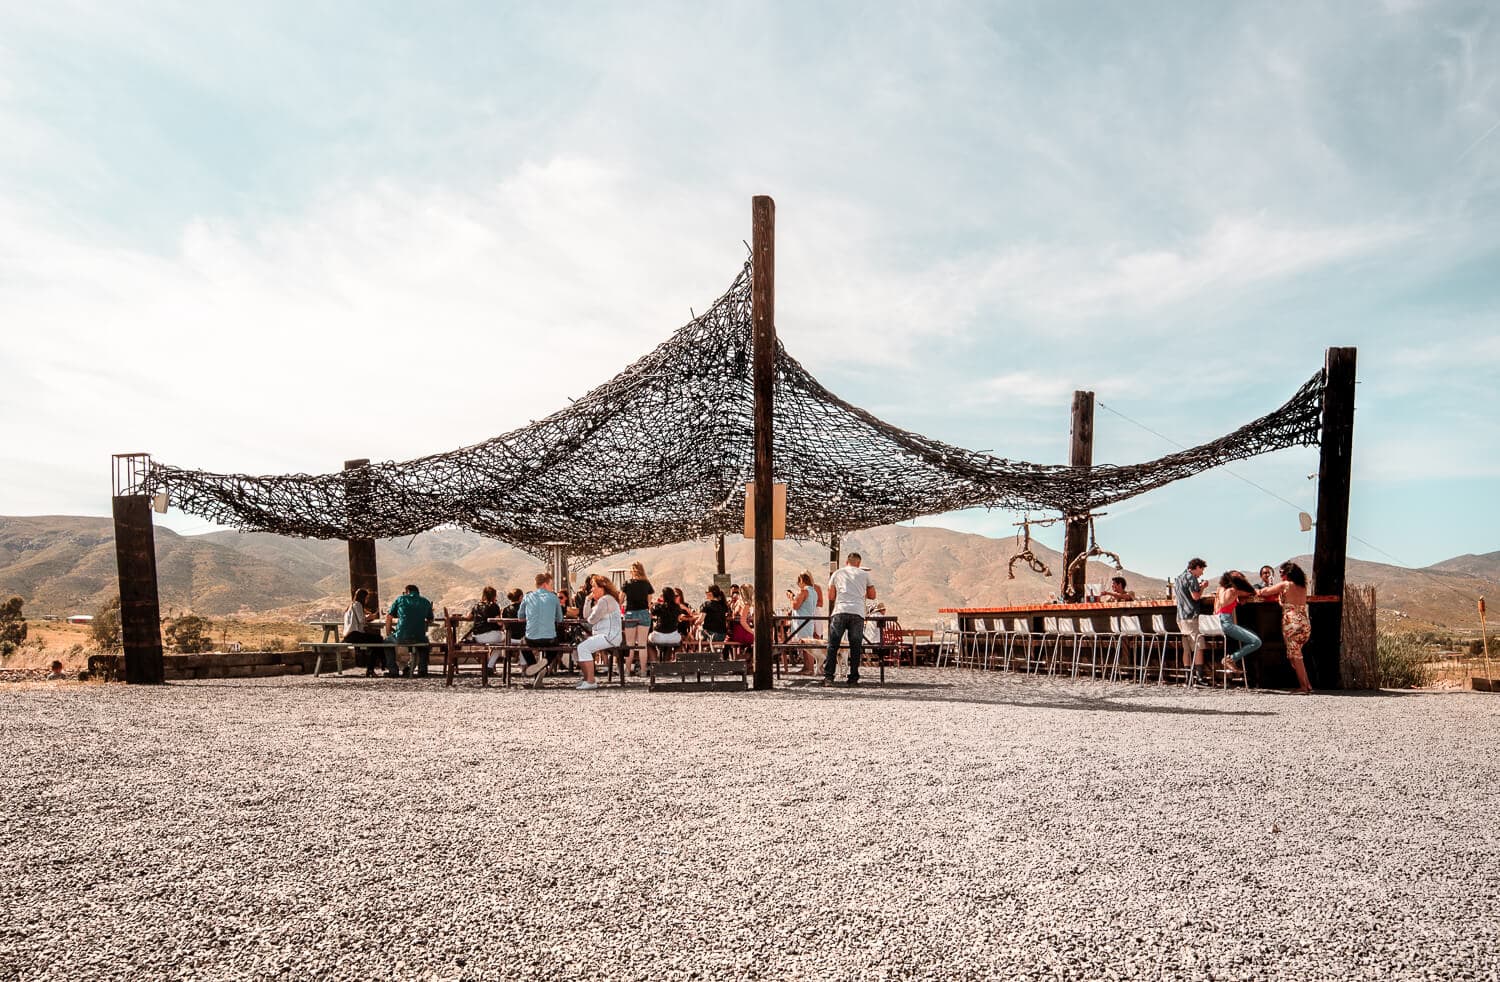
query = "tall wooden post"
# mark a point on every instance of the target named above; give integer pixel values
(135, 564)
(1076, 538)
(363, 573)
(1335, 456)
(763, 318)
(719, 554)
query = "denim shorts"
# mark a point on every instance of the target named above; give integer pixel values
(636, 618)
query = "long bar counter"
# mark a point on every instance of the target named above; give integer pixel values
(1268, 667)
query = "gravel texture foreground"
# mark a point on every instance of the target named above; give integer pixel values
(945, 826)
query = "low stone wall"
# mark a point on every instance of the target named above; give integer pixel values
(240, 664)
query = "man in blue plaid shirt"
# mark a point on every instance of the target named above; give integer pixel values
(1187, 590)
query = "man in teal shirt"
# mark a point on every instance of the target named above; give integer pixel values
(406, 622)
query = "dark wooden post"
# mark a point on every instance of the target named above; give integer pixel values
(1331, 538)
(719, 554)
(1076, 538)
(1334, 460)
(363, 572)
(140, 612)
(833, 562)
(763, 317)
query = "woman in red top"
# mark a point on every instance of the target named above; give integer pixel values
(1233, 587)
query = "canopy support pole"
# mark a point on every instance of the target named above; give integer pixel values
(1076, 538)
(1335, 460)
(363, 573)
(719, 554)
(763, 318)
(135, 564)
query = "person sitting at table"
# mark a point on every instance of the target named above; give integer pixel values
(714, 627)
(742, 627)
(637, 616)
(1296, 629)
(407, 623)
(485, 628)
(666, 621)
(805, 605)
(515, 633)
(688, 626)
(542, 612)
(357, 628)
(1267, 578)
(1116, 592)
(1233, 587)
(604, 620)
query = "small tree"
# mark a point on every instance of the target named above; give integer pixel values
(12, 622)
(105, 629)
(189, 634)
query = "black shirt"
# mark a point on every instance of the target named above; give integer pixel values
(481, 613)
(665, 618)
(515, 631)
(638, 594)
(715, 616)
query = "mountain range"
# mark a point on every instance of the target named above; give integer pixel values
(66, 565)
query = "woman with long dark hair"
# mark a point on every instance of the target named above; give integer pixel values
(1296, 629)
(1233, 587)
(666, 621)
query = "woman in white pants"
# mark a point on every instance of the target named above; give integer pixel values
(604, 621)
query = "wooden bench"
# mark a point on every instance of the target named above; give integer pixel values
(338, 648)
(722, 675)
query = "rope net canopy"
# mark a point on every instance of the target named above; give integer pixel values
(606, 475)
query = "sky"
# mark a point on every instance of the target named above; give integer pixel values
(270, 237)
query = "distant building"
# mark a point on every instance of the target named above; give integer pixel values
(80, 618)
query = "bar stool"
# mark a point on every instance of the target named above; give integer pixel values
(1127, 627)
(947, 641)
(1089, 632)
(1163, 638)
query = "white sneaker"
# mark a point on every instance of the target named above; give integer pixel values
(587, 685)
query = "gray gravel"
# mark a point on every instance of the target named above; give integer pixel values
(951, 826)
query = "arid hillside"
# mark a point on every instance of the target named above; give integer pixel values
(65, 565)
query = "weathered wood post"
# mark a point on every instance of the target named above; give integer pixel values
(719, 554)
(1076, 538)
(363, 573)
(833, 566)
(763, 318)
(135, 563)
(1335, 459)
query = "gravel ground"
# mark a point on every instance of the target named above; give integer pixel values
(947, 826)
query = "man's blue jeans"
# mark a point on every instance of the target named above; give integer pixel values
(1249, 643)
(838, 626)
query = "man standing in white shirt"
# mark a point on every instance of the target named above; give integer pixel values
(848, 589)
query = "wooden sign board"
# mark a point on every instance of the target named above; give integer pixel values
(778, 510)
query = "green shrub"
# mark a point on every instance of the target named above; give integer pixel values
(12, 622)
(105, 628)
(189, 634)
(1402, 661)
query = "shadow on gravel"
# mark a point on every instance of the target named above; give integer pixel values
(1087, 704)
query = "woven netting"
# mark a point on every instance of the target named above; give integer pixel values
(661, 453)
